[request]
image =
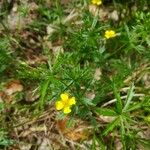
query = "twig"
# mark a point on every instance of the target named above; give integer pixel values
(122, 97)
(136, 73)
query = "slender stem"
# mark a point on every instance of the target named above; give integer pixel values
(122, 97)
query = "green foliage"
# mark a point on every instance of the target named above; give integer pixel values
(84, 49)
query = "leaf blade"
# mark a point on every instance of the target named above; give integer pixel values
(105, 112)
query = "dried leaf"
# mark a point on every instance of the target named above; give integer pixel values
(25, 146)
(45, 145)
(78, 132)
(2, 95)
(106, 119)
(93, 10)
(90, 95)
(31, 96)
(97, 74)
(114, 15)
(13, 87)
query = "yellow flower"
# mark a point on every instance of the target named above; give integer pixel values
(110, 34)
(97, 2)
(65, 103)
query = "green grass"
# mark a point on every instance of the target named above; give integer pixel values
(121, 93)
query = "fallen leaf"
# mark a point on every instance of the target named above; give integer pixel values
(97, 74)
(31, 96)
(13, 87)
(90, 95)
(105, 119)
(118, 144)
(2, 95)
(93, 10)
(25, 146)
(65, 1)
(79, 131)
(45, 145)
(114, 15)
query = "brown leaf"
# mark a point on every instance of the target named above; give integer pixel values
(31, 96)
(2, 95)
(97, 74)
(13, 87)
(105, 119)
(78, 132)
(90, 95)
(62, 125)
(65, 1)
(77, 135)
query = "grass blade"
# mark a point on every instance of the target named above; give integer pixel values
(129, 97)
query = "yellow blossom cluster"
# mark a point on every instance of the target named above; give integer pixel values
(110, 34)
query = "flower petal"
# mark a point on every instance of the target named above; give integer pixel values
(59, 105)
(94, 1)
(107, 36)
(67, 110)
(110, 34)
(72, 101)
(99, 2)
(64, 97)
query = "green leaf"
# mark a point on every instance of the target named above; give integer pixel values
(129, 97)
(134, 107)
(111, 126)
(105, 112)
(87, 102)
(118, 98)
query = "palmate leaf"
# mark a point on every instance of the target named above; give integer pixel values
(105, 112)
(111, 126)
